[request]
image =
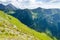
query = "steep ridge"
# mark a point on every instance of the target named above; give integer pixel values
(13, 29)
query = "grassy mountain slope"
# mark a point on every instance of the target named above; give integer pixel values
(13, 29)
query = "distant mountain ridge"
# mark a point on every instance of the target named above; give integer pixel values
(7, 7)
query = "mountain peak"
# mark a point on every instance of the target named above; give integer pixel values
(11, 7)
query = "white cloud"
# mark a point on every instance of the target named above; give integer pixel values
(31, 4)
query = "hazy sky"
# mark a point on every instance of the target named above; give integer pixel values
(31, 4)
